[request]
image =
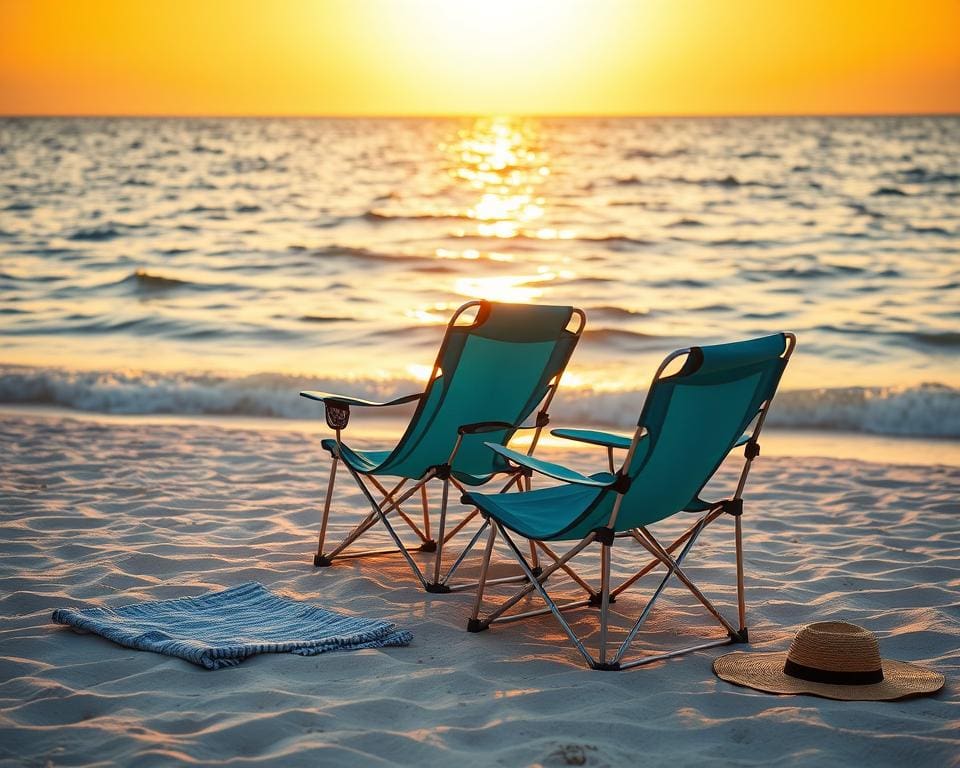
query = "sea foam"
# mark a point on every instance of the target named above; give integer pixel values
(927, 410)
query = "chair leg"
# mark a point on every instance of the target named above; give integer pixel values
(473, 623)
(534, 554)
(604, 601)
(426, 510)
(435, 586)
(741, 598)
(319, 560)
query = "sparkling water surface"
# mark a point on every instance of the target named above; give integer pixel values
(218, 265)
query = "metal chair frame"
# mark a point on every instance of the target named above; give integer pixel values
(337, 414)
(603, 594)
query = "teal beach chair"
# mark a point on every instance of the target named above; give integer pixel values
(692, 418)
(497, 363)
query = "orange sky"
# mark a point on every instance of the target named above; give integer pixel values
(409, 57)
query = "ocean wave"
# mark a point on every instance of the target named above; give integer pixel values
(143, 280)
(353, 252)
(135, 392)
(758, 154)
(377, 216)
(620, 338)
(923, 176)
(641, 153)
(727, 182)
(98, 233)
(611, 312)
(324, 319)
(927, 410)
(932, 338)
(935, 338)
(724, 182)
(612, 241)
(928, 230)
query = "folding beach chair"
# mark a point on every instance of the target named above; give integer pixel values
(690, 421)
(491, 373)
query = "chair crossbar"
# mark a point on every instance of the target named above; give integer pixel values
(378, 510)
(388, 495)
(388, 505)
(541, 611)
(475, 584)
(461, 525)
(656, 594)
(670, 654)
(679, 573)
(660, 555)
(534, 581)
(466, 550)
(368, 553)
(670, 549)
(567, 569)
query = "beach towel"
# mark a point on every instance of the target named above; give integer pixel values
(221, 629)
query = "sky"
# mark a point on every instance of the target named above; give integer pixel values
(439, 57)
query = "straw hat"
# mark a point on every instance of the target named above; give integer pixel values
(832, 659)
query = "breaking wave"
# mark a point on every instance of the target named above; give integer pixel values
(926, 410)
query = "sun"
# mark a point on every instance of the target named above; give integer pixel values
(493, 56)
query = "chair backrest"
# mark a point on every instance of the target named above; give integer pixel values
(692, 420)
(500, 367)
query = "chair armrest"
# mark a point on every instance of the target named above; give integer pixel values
(593, 437)
(556, 471)
(336, 408)
(327, 397)
(490, 426)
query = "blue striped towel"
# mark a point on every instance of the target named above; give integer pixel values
(221, 629)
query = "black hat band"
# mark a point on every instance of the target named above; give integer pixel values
(832, 677)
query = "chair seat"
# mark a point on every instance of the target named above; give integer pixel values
(365, 462)
(560, 513)
(369, 462)
(547, 513)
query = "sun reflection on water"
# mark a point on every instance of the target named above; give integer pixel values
(501, 162)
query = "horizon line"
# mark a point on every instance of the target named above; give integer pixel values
(463, 115)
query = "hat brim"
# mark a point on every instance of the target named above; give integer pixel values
(764, 672)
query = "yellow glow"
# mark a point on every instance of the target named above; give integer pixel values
(419, 372)
(433, 316)
(478, 57)
(500, 159)
(510, 288)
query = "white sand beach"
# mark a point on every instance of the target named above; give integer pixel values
(109, 513)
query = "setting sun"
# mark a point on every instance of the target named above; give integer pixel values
(431, 57)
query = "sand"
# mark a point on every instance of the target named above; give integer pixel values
(110, 513)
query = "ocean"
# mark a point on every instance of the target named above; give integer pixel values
(218, 266)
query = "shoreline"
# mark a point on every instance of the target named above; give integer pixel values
(363, 429)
